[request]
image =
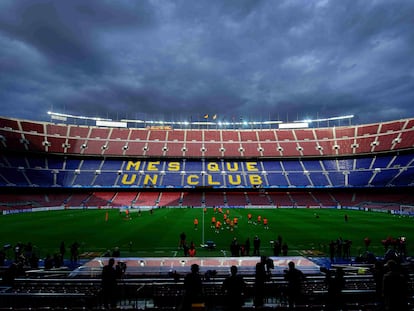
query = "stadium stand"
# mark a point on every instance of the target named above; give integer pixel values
(170, 199)
(124, 198)
(368, 167)
(192, 199)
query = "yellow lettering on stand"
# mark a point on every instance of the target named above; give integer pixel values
(148, 178)
(213, 167)
(128, 179)
(234, 180)
(232, 167)
(211, 182)
(255, 179)
(192, 180)
(136, 165)
(153, 166)
(173, 166)
(252, 166)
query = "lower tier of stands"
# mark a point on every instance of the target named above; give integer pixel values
(386, 199)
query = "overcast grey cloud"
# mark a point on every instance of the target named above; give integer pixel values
(176, 60)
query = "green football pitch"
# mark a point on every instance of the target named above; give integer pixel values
(307, 232)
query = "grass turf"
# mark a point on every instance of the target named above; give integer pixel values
(157, 234)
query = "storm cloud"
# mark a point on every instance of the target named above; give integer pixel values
(176, 60)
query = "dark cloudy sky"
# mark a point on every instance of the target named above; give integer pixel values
(176, 60)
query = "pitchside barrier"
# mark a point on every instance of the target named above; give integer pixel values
(406, 210)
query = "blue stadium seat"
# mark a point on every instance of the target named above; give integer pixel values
(363, 163)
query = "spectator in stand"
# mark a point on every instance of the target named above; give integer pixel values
(294, 278)
(192, 288)
(234, 287)
(109, 284)
(259, 285)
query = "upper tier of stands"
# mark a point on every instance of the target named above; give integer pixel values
(23, 135)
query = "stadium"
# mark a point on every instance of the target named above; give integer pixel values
(140, 184)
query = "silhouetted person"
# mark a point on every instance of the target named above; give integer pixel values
(277, 248)
(395, 288)
(48, 262)
(109, 284)
(256, 246)
(233, 287)
(74, 252)
(335, 286)
(192, 288)
(294, 277)
(235, 247)
(183, 241)
(34, 261)
(247, 247)
(259, 285)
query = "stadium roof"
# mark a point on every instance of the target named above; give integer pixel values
(205, 122)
